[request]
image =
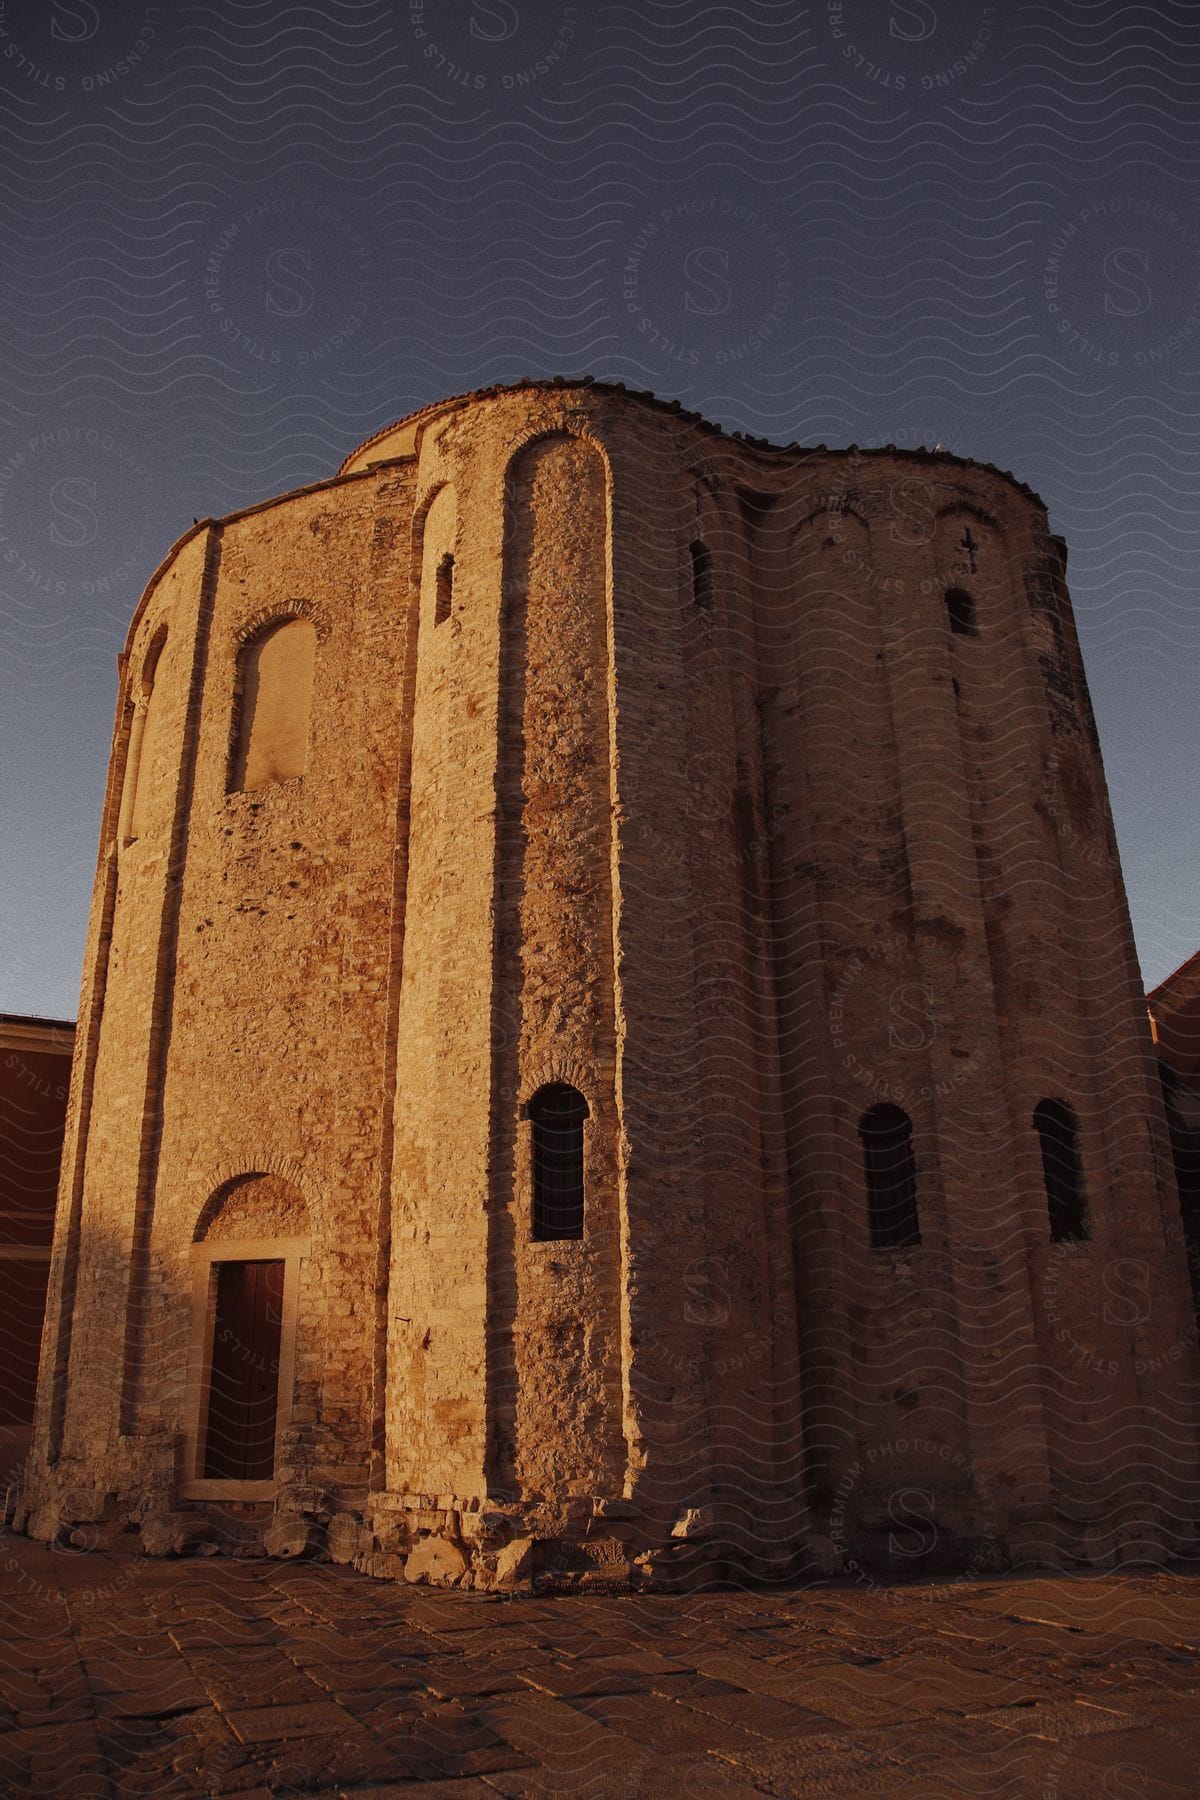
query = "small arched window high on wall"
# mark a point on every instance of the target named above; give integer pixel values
(701, 557)
(1058, 1133)
(556, 1115)
(960, 610)
(274, 702)
(886, 1134)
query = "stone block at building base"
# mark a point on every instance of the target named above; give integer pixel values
(174, 1533)
(41, 1524)
(291, 1536)
(437, 1561)
(346, 1538)
(822, 1558)
(514, 1564)
(380, 1565)
(565, 1565)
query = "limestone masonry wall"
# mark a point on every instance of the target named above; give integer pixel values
(591, 916)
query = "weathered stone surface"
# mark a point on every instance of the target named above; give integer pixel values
(514, 1564)
(264, 1724)
(562, 752)
(696, 1522)
(42, 1523)
(346, 1537)
(825, 1557)
(174, 1534)
(437, 1561)
(381, 1565)
(607, 1508)
(291, 1535)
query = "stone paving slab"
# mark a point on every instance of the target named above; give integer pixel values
(125, 1677)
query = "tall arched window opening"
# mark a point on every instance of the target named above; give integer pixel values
(891, 1172)
(144, 743)
(556, 1115)
(960, 610)
(701, 576)
(274, 703)
(1058, 1134)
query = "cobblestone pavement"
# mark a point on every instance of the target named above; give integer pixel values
(126, 1676)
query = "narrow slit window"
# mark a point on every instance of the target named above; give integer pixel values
(1058, 1134)
(960, 610)
(556, 1114)
(891, 1173)
(701, 576)
(444, 594)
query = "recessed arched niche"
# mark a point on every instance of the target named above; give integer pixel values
(144, 777)
(274, 705)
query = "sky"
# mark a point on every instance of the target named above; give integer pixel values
(241, 235)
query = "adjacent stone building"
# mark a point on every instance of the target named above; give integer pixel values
(611, 1045)
(35, 1070)
(1174, 1007)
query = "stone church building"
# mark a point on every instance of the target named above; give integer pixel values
(610, 1045)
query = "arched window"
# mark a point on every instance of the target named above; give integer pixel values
(144, 743)
(275, 699)
(886, 1134)
(701, 576)
(444, 595)
(960, 610)
(556, 1114)
(1058, 1133)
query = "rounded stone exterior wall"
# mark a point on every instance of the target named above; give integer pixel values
(751, 799)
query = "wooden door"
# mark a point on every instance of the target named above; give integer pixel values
(243, 1393)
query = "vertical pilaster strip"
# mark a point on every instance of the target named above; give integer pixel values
(377, 1464)
(558, 1304)
(760, 1390)
(991, 1293)
(162, 1006)
(56, 1349)
(64, 1276)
